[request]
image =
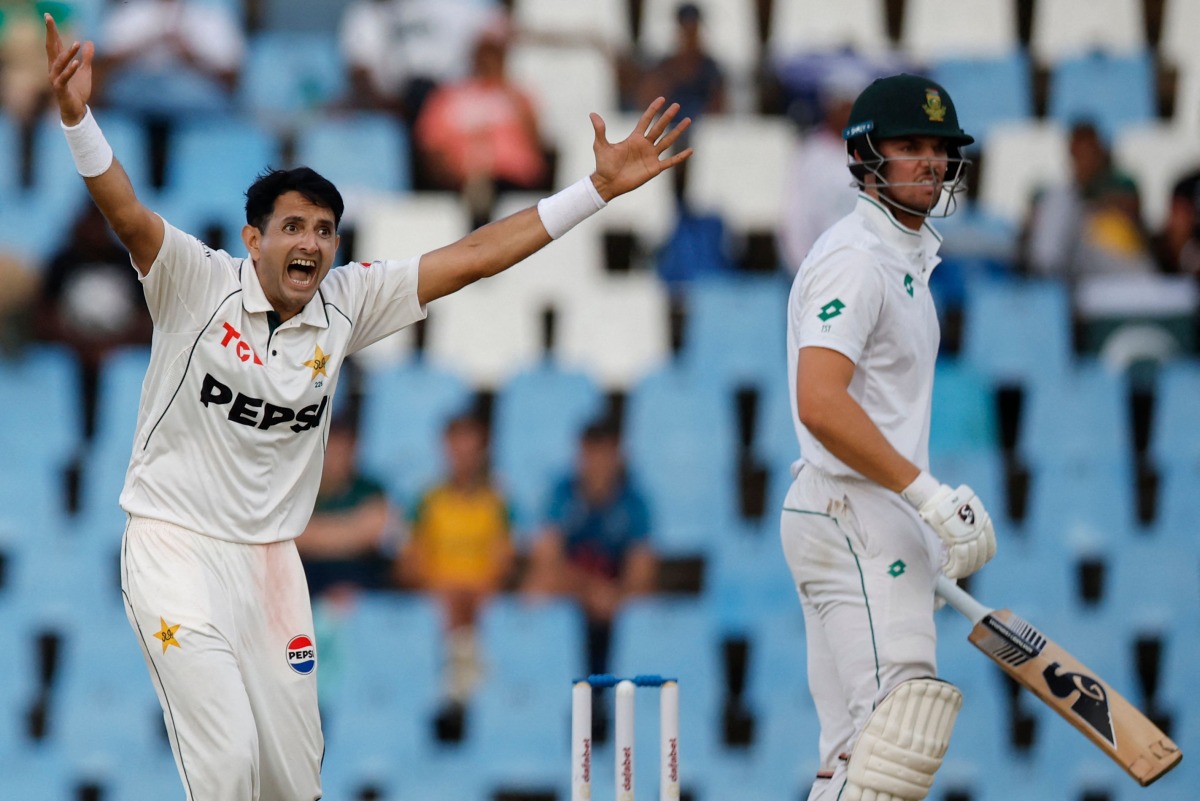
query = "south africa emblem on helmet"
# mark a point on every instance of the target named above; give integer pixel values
(934, 108)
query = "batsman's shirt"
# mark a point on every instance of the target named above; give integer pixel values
(863, 291)
(231, 428)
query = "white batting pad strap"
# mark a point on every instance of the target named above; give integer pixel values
(902, 745)
(89, 148)
(564, 210)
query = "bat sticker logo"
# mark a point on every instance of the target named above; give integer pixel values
(1092, 703)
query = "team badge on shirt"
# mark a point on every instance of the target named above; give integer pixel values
(166, 635)
(302, 654)
(317, 363)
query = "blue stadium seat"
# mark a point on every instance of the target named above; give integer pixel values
(735, 329)
(1175, 431)
(33, 227)
(1178, 505)
(964, 411)
(41, 391)
(1076, 417)
(1154, 584)
(518, 720)
(403, 414)
(40, 775)
(9, 155)
(1016, 330)
(119, 398)
(527, 643)
(1081, 508)
(362, 151)
(210, 164)
(290, 75)
(1112, 91)
(987, 90)
(748, 578)
(105, 678)
(774, 435)
(538, 417)
(311, 16)
(680, 436)
(152, 778)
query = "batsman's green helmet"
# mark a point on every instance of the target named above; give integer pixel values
(905, 105)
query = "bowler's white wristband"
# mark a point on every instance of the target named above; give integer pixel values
(564, 210)
(88, 146)
(921, 489)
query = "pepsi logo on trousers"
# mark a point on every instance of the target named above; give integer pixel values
(302, 654)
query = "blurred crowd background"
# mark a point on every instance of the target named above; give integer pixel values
(578, 465)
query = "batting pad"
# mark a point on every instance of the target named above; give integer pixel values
(902, 745)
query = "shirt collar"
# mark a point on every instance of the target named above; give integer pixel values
(881, 220)
(254, 300)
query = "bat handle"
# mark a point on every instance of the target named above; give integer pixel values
(960, 599)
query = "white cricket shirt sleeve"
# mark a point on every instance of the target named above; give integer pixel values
(381, 295)
(841, 298)
(184, 282)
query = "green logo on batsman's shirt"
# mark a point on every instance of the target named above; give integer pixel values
(831, 309)
(908, 284)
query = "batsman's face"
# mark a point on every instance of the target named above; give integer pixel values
(915, 169)
(294, 253)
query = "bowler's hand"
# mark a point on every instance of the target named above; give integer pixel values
(70, 73)
(628, 164)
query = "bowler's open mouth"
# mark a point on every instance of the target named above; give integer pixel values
(302, 272)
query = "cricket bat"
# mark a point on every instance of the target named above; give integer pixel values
(1081, 697)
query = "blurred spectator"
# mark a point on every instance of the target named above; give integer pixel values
(595, 545)
(461, 547)
(24, 89)
(166, 58)
(349, 543)
(1178, 244)
(21, 287)
(1093, 224)
(479, 135)
(91, 300)
(819, 190)
(397, 51)
(689, 76)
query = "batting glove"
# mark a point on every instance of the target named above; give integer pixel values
(959, 519)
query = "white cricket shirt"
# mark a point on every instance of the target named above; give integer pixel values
(233, 418)
(863, 291)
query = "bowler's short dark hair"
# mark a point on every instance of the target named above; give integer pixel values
(269, 185)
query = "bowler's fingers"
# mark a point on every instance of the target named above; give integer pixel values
(648, 115)
(599, 127)
(660, 125)
(63, 75)
(664, 144)
(53, 40)
(676, 160)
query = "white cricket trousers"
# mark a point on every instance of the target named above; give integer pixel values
(864, 564)
(237, 679)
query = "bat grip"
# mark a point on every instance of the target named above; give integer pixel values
(960, 599)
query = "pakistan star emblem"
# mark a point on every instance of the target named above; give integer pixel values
(167, 635)
(317, 363)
